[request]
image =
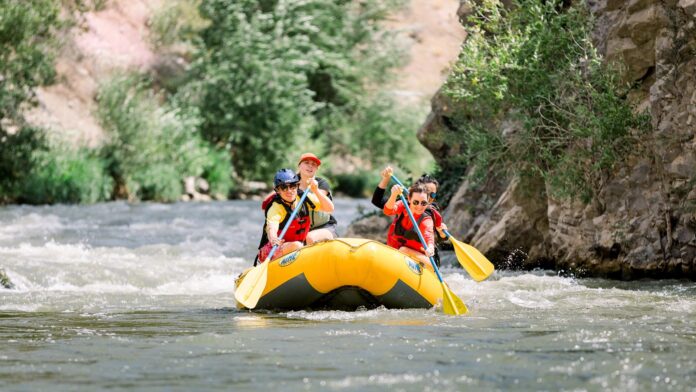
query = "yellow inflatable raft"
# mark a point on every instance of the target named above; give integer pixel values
(348, 273)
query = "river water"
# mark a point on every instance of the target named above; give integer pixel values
(119, 296)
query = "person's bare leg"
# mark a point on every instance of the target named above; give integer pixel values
(418, 256)
(286, 248)
(318, 235)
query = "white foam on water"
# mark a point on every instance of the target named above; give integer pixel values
(85, 277)
(31, 224)
(208, 283)
(20, 307)
(338, 315)
(380, 380)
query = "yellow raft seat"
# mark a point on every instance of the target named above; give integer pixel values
(347, 273)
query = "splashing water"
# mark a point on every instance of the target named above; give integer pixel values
(140, 297)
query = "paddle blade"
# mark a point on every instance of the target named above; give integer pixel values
(473, 261)
(451, 304)
(250, 289)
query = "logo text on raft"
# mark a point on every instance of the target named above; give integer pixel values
(414, 266)
(287, 260)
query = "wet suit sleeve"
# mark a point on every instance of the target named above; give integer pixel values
(378, 199)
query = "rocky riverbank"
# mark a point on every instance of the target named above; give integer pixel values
(642, 222)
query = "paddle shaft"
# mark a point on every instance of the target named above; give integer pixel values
(287, 225)
(396, 180)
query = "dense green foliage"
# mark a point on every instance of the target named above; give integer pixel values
(26, 51)
(26, 61)
(268, 79)
(67, 175)
(537, 99)
(152, 148)
(276, 77)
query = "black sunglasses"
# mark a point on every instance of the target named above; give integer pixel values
(416, 202)
(285, 187)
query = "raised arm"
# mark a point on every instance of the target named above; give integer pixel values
(325, 204)
(378, 195)
(390, 205)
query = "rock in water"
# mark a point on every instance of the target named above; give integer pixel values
(5, 280)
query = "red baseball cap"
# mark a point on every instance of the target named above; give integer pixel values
(308, 156)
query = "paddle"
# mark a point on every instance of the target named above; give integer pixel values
(249, 291)
(451, 304)
(473, 261)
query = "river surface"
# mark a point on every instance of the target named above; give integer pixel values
(140, 297)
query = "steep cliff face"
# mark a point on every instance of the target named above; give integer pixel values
(642, 223)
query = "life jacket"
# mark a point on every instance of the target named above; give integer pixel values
(299, 227)
(403, 236)
(318, 218)
(432, 211)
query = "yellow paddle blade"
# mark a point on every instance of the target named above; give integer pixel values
(473, 261)
(251, 287)
(451, 304)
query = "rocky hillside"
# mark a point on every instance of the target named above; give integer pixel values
(110, 40)
(642, 222)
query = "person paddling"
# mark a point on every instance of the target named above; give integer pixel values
(402, 235)
(323, 223)
(279, 209)
(431, 185)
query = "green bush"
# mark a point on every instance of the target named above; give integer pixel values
(66, 175)
(353, 184)
(35, 171)
(176, 22)
(151, 148)
(272, 76)
(534, 65)
(380, 132)
(17, 160)
(27, 51)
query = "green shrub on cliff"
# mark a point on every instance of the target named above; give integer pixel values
(275, 76)
(152, 148)
(537, 99)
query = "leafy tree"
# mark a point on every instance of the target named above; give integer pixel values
(27, 45)
(26, 61)
(273, 76)
(152, 148)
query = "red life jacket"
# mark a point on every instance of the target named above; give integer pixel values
(268, 200)
(299, 227)
(432, 210)
(399, 235)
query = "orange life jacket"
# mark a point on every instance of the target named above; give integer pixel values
(399, 235)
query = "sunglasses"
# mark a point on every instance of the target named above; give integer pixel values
(433, 195)
(423, 203)
(286, 187)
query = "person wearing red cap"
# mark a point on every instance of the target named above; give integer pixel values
(323, 224)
